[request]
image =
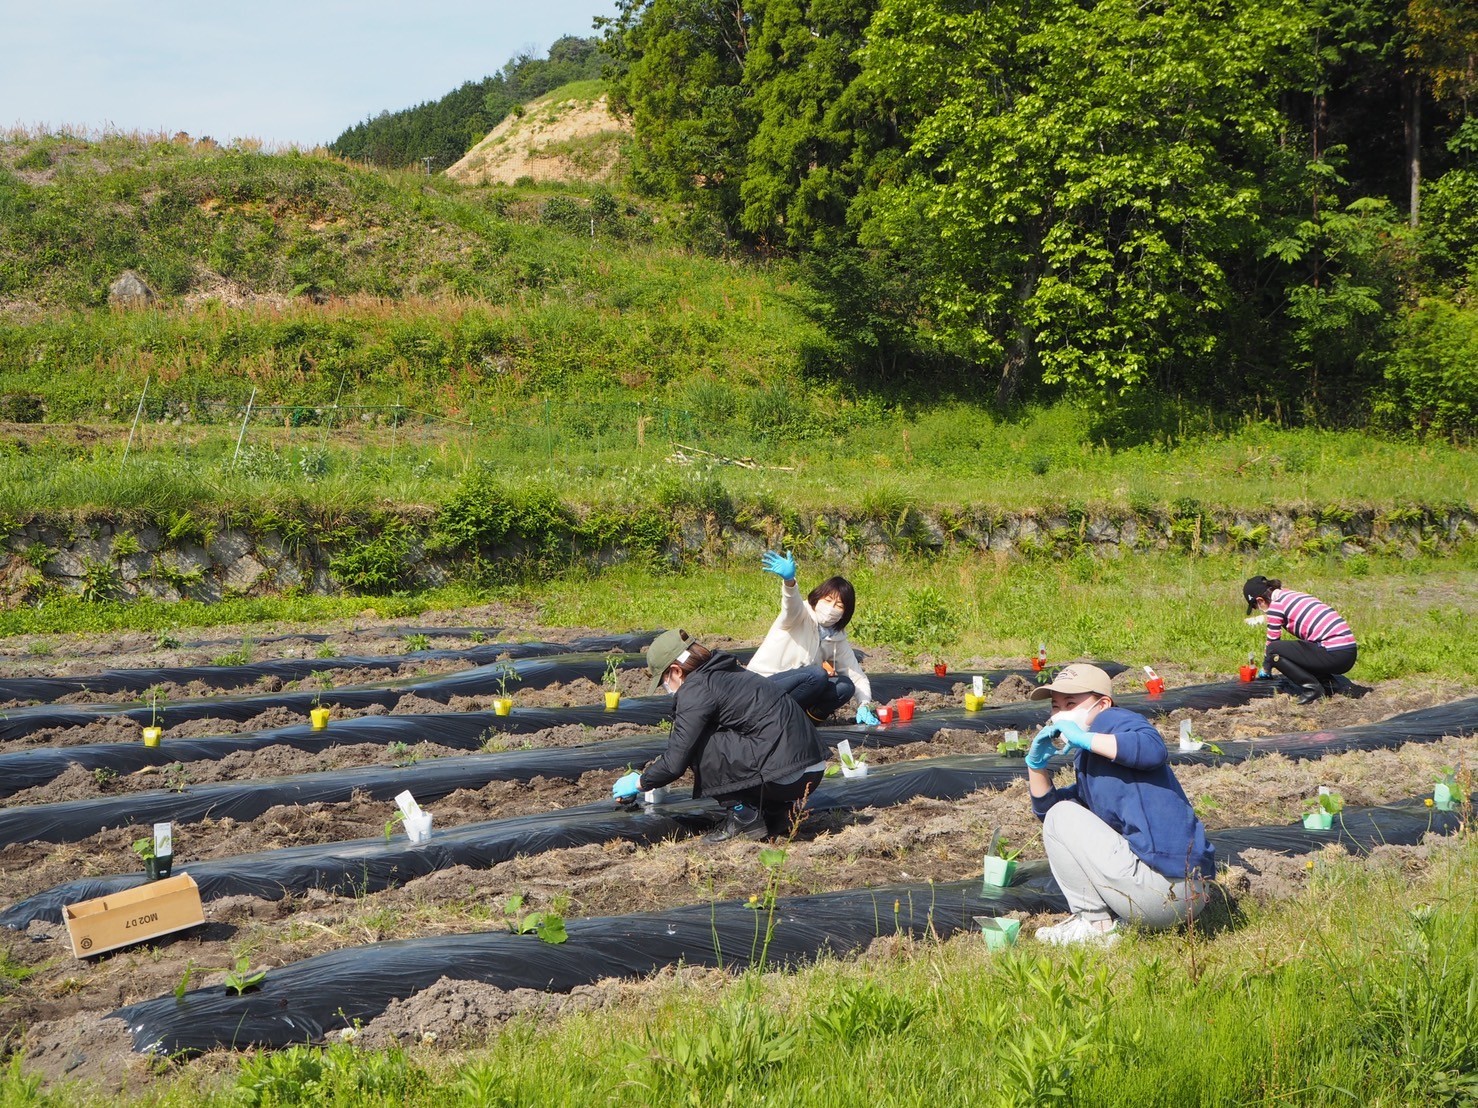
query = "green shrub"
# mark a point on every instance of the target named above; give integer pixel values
(1434, 370)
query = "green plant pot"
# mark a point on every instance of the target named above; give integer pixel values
(157, 868)
(1017, 751)
(1319, 821)
(998, 871)
(1442, 797)
(999, 932)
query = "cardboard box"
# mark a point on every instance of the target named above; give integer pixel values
(122, 919)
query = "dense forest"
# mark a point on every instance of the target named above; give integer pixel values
(443, 130)
(1271, 203)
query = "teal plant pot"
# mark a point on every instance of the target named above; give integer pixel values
(1319, 821)
(998, 871)
(999, 932)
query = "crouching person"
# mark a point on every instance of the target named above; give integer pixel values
(1123, 842)
(749, 745)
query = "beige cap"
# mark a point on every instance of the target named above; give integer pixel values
(1078, 678)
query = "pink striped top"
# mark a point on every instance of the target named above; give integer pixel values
(1309, 618)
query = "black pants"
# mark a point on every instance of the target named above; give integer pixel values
(815, 690)
(775, 801)
(1308, 663)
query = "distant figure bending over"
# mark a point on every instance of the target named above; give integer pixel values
(1324, 646)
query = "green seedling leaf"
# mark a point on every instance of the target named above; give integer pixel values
(243, 978)
(772, 857)
(551, 929)
(513, 904)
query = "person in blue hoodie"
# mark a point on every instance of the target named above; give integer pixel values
(1123, 842)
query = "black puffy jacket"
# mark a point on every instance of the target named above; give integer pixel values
(735, 729)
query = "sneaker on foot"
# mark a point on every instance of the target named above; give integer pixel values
(1075, 929)
(741, 822)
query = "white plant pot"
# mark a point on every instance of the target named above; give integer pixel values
(654, 796)
(418, 827)
(859, 770)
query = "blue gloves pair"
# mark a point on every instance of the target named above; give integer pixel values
(626, 786)
(1041, 750)
(781, 565)
(866, 715)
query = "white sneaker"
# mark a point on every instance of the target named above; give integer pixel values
(1075, 929)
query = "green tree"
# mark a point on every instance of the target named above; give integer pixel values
(1079, 174)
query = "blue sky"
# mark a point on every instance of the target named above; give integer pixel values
(277, 70)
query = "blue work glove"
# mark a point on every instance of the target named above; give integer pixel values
(781, 565)
(1263, 674)
(866, 715)
(1041, 750)
(1074, 735)
(627, 786)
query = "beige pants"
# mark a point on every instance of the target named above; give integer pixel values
(1103, 878)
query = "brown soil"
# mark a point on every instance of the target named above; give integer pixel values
(59, 1010)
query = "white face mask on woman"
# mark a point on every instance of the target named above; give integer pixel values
(1079, 715)
(828, 613)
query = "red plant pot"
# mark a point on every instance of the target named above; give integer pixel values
(1247, 673)
(885, 713)
(1037, 664)
(1155, 685)
(940, 669)
(905, 708)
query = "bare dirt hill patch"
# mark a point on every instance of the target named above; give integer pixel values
(553, 140)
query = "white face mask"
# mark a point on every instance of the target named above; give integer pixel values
(667, 685)
(1253, 621)
(827, 613)
(1079, 715)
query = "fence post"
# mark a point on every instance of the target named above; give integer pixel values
(136, 416)
(244, 419)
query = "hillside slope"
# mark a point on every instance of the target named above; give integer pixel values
(569, 135)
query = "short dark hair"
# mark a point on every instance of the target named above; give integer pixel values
(842, 589)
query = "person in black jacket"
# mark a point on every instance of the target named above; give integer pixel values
(749, 745)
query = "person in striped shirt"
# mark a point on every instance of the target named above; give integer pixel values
(1323, 647)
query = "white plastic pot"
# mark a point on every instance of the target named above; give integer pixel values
(859, 770)
(418, 826)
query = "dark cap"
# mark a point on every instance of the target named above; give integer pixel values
(668, 647)
(1254, 590)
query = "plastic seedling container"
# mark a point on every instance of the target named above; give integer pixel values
(851, 765)
(1154, 684)
(613, 699)
(999, 871)
(1319, 821)
(1011, 745)
(655, 796)
(905, 707)
(999, 932)
(973, 702)
(1186, 742)
(1247, 673)
(1442, 796)
(152, 735)
(418, 826)
(319, 716)
(940, 669)
(503, 705)
(885, 713)
(160, 865)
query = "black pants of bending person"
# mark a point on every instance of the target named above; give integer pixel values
(819, 693)
(1308, 664)
(775, 802)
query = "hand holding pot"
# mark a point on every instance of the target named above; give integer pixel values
(626, 786)
(781, 565)
(865, 715)
(1041, 750)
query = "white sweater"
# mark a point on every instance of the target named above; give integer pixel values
(795, 639)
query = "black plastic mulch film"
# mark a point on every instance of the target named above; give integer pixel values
(24, 769)
(70, 821)
(369, 865)
(536, 664)
(306, 1000)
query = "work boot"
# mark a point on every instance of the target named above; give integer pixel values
(1307, 694)
(742, 822)
(1337, 684)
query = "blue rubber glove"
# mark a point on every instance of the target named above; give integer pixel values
(1041, 750)
(627, 786)
(1263, 674)
(866, 715)
(1074, 735)
(781, 565)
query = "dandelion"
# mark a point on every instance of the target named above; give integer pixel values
(1428, 802)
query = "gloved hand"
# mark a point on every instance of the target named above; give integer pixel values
(1074, 735)
(626, 786)
(866, 715)
(1263, 674)
(1041, 750)
(781, 565)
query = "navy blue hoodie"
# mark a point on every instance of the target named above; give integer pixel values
(1138, 796)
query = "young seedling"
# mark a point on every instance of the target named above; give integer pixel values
(243, 977)
(611, 678)
(144, 848)
(417, 642)
(1321, 810)
(404, 754)
(505, 675)
(1000, 863)
(392, 823)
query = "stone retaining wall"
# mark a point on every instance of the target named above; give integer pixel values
(102, 558)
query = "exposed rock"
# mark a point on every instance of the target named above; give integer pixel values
(130, 291)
